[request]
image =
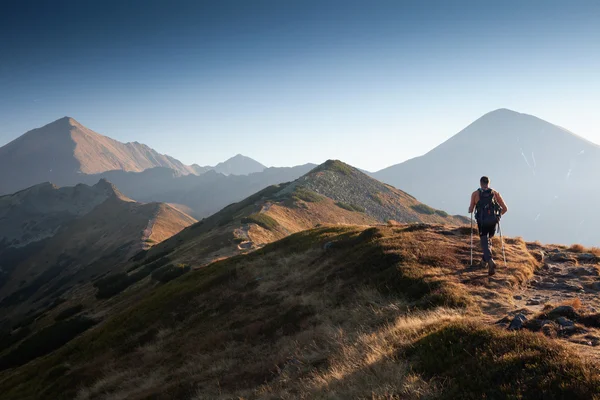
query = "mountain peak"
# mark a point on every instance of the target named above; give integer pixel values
(110, 190)
(336, 166)
(239, 165)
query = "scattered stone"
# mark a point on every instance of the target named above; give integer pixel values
(533, 302)
(572, 287)
(586, 257)
(555, 269)
(584, 271)
(582, 342)
(517, 322)
(327, 245)
(504, 320)
(516, 297)
(562, 257)
(547, 285)
(563, 311)
(562, 321)
(572, 330)
(550, 329)
(535, 325)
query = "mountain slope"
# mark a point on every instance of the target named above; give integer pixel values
(108, 229)
(239, 165)
(39, 211)
(333, 312)
(332, 193)
(205, 194)
(542, 171)
(61, 150)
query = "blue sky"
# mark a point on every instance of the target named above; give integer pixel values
(290, 82)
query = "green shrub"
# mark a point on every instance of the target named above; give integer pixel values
(350, 207)
(45, 341)
(334, 166)
(261, 220)
(170, 272)
(441, 213)
(423, 209)
(476, 361)
(375, 197)
(116, 283)
(8, 339)
(68, 312)
(302, 193)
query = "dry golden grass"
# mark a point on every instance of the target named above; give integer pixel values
(296, 320)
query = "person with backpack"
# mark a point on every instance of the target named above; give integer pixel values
(489, 206)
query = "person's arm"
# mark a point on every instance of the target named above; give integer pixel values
(473, 202)
(502, 203)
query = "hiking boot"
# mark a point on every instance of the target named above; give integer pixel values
(491, 267)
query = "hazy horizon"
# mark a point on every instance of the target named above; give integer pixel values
(297, 82)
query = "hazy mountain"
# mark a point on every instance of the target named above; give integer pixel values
(38, 212)
(239, 165)
(544, 172)
(335, 311)
(203, 195)
(332, 193)
(61, 150)
(52, 237)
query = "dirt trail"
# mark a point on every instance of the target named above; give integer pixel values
(566, 278)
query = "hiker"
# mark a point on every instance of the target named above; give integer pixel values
(489, 206)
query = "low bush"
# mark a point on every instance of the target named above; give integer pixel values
(262, 220)
(68, 312)
(302, 193)
(423, 209)
(350, 207)
(476, 361)
(170, 272)
(45, 341)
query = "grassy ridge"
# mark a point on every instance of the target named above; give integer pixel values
(335, 311)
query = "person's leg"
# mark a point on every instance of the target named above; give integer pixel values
(485, 244)
(491, 262)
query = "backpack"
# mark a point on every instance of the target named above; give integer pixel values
(487, 209)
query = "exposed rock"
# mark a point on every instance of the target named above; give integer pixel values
(587, 257)
(550, 329)
(563, 311)
(572, 330)
(562, 257)
(535, 325)
(533, 302)
(517, 322)
(518, 297)
(584, 271)
(562, 321)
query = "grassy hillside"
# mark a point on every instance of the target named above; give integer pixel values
(332, 312)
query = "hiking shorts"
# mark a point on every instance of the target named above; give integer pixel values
(486, 230)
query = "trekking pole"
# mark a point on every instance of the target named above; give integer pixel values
(471, 238)
(502, 240)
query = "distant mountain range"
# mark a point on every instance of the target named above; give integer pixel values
(331, 193)
(57, 242)
(65, 152)
(51, 237)
(545, 173)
